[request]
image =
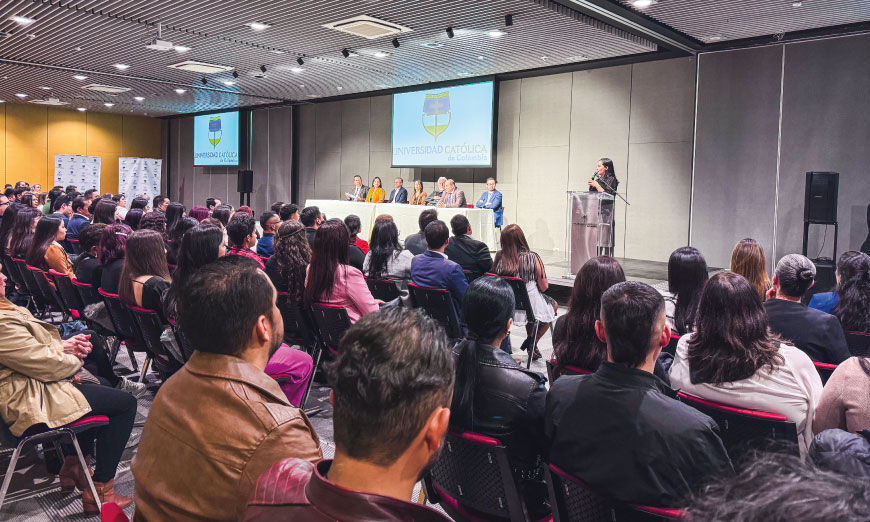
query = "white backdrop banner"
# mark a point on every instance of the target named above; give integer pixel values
(139, 177)
(81, 171)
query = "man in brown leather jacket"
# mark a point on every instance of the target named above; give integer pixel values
(219, 422)
(392, 385)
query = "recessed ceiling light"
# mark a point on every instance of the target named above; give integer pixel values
(339, 87)
(2, 101)
(139, 98)
(714, 38)
(297, 70)
(80, 77)
(545, 58)
(641, 4)
(22, 20)
(77, 49)
(45, 88)
(432, 45)
(381, 54)
(121, 66)
(797, 4)
(108, 104)
(276, 51)
(480, 57)
(463, 74)
(21, 95)
(181, 48)
(301, 85)
(496, 33)
(258, 26)
(81, 109)
(312, 95)
(229, 83)
(180, 91)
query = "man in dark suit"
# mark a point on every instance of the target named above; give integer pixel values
(359, 190)
(398, 194)
(818, 334)
(416, 243)
(432, 269)
(311, 219)
(470, 254)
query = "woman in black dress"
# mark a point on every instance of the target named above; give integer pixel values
(604, 180)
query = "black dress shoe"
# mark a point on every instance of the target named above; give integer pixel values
(526, 344)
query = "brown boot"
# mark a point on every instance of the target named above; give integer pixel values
(106, 491)
(72, 476)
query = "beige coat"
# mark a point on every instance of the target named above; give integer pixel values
(35, 373)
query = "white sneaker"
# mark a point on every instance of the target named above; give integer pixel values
(136, 389)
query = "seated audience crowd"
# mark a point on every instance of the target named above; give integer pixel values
(226, 437)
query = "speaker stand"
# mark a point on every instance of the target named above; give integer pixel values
(243, 195)
(807, 236)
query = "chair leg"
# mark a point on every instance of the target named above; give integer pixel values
(132, 358)
(316, 359)
(9, 471)
(534, 344)
(145, 368)
(85, 468)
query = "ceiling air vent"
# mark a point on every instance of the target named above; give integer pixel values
(111, 89)
(367, 27)
(200, 67)
(49, 101)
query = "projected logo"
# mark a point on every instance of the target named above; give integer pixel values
(435, 105)
(214, 130)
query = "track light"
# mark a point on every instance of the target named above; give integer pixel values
(509, 20)
(300, 61)
(263, 69)
(204, 81)
(235, 74)
(345, 53)
(449, 32)
(396, 43)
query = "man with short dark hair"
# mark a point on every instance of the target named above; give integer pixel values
(242, 233)
(4, 204)
(416, 243)
(211, 203)
(621, 430)
(391, 403)
(220, 421)
(492, 199)
(160, 203)
(452, 197)
(398, 194)
(470, 254)
(90, 194)
(311, 219)
(70, 189)
(289, 212)
(276, 206)
(269, 221)
(80, 218)
(62, 208)
(359, 190)
(432, 269)
(19, 192)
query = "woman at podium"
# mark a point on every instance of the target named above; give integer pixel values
(604, 179)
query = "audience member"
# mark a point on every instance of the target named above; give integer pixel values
(492, 199)
(269, 221)
(776, 487)
(843, 452)
(62, 208)
(198, 213)
(416, 243)
(359, 190)
(174, 213)
(575, 342)
(354, 226)
(331, 279)
(199, 246)
(289, 212)
(87, 266)
(452, 197)
(747, 259)
(160, 203)
(211, 204)
(437, 192)
(223, 213)
(31, 200)
(45, 251)
(6, 225)
(174, 243)
(845, 401)
(4, 204)
(276, 206)
(249, 423)
(242, 237)
(287, 267)
(733, 358)
(620, 429)
(816, 333)
(145, 276)
(515, 259)
(113, 248)
(133, 218)
(43, 385)
(387, 259)
(140, 203)
(494, 395)
(687, 273)
(399, 194)
(155, 221)
(80, 218)
(472, 255)
(826, 301)
(245, 209)
(311, 219)
(432, 269)
(419, 196)
(105, 212)
(853, 306)
(21, 235)
(48, 202)
(391, 413)
(376, 194)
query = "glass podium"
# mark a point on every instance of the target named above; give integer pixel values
(590, 234)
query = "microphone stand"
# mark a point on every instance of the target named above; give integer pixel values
(601, 180)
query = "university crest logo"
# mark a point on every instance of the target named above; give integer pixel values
(436, 105)
(214, 130)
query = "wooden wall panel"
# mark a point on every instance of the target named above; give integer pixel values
(67, 134)
(104, 140)
(26, 143)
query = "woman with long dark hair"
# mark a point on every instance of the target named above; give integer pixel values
(516, 259)
(287, 266)
(495, 396)
(734, 358)
(376, 194)
(687, 273)
(105, 212)
(155, 221)
(386, 258)
(6, 225)
(851, 268)
(174, 243)
(747, 259)
(113, 249)
(133, 218)
(87, 266)
(145, 276)
(21, 236)
(419, 195)
(46, 252)
(353, 224)
(140, 203)
(574, 340)
(853, 308)
(201, 244)
(174, 213)
(331, 279)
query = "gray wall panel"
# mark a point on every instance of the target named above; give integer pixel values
(280, 154)
(663, 101)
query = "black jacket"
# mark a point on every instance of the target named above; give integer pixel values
(416, 243)
(470, 254)
(355, 257)
(622, 430)
(818, 334)
(843, 452)
(310, 233)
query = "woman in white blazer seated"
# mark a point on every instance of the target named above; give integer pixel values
(734, 359)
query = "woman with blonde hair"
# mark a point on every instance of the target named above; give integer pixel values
(747, 259)
(419, 196)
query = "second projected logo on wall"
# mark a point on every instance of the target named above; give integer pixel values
(436, 113)
(214, 130)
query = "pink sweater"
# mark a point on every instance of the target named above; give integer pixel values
(351, 291)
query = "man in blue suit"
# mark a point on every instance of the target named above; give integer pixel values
(398, 194)
(491, 199)
(432, 269)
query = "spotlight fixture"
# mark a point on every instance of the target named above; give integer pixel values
(80, 77)
(229, 83)
(450, 32)
(345, 53)
(108, 104)
(381, 54)
(509, 20)
(258, 26)
(81, 109)
(180, 91)
(121, 66)
(204, 81)
(496, 33)
(396, 43)
(21, 95)
(263, 69)
(22, 20)
(300, 61)
(138, 98)
(235, 74)
(641, 4)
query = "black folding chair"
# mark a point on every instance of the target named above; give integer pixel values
(744, 430)
(67, 292)
(125, 327)
(151, 327)
(46, 294)
(825, 370)
(332, 321)
(859, 343)
(572, 500)
(473, 480)
(524, 304)
(383, 289)
(77, 249)
(41, 305)
(438, 304)
(299, 330)
(566, 370)
(18, 279)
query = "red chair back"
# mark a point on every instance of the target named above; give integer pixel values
(87, 292)
(122, 318)
(825, 370)
(332, 321)
(566, 370)
(15, 273)
(383, 289)
(44, 291)
(30, 282)
(671, 348)
(67, 292)
(151, 327)
(438, 304)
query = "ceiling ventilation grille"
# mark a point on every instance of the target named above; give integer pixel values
(49, 101)
(200, 67)
(367, 27)
(111, 89)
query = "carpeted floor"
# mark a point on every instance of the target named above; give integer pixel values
(35, 496)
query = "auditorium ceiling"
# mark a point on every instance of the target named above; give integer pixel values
(71, 53)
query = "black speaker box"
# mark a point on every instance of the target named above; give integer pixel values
(246, 181)
(820, 197)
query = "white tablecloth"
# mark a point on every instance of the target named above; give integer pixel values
(405, 216)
